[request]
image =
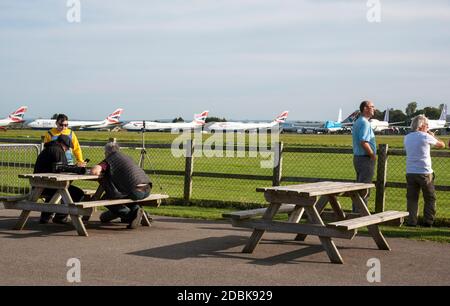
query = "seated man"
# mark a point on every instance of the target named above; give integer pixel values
(122, 178)
(54, 152)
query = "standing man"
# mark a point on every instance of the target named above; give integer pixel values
(419, 174)
(364, 146)
(62, 123)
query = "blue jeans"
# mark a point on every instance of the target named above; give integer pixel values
(128, 212)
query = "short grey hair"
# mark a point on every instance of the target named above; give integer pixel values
(111, 147)
(418, 121)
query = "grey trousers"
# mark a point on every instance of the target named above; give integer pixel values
(365, 169)
(416, 182)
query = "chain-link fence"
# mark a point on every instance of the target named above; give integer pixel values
(231, 177)
(16, 159)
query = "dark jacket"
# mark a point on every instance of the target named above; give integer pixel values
(52, 153)
(124, 173)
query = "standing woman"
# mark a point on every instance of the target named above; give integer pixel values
(62, 123)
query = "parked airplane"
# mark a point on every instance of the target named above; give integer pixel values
(441, 122)
(330, 126)
(199, 120)
(242, 127)
(379, 126)
(14, 118)
(111, 121)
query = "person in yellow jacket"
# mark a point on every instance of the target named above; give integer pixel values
(62, 123)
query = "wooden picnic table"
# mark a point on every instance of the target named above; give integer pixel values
(63, 203)
(312, 199)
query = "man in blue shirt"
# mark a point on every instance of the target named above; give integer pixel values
(364, 145)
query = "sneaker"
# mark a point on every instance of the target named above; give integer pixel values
(136, 221)
(107, 216)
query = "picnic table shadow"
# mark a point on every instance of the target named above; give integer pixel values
(35, 229)
(219, 247)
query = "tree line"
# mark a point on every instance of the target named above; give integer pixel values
(397, 115)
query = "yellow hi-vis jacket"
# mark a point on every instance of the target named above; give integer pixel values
(53, 133)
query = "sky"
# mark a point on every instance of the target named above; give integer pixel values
(239, 59)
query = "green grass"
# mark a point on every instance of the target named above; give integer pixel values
(238, 193)
(394, 141)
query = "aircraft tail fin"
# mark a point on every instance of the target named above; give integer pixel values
(386, 115)
(352, 117)
(340, 116)
(281, 118)
(114, 118)
(443, 113)
(200, 119)
(18, 115)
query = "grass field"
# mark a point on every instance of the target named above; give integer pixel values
(227, 192)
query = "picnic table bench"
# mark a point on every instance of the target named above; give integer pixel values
(312, 198)
(62, 202)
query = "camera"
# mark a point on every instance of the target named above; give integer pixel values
(63, 167)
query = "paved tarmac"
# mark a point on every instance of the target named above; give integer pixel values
(178, 251)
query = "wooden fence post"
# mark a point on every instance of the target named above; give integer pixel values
(189, 169)
(380, 195)
(278, 164)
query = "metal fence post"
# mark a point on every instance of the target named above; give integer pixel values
(278, 164)
(380, 196)
(189, 168)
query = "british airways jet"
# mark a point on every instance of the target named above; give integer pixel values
(14, 118)
(244, 126)
(199, 121)
(111, 121)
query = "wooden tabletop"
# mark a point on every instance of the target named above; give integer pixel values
(316, 189)
(60, 177)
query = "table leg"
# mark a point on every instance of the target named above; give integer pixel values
(257, 234)
(97, 196)
(323, 201)
(145, 221)
(327, 243)
(337, 208)
(374, 230)
(76, 219)
(34, 196)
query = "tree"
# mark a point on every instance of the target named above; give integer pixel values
(396, 115)
(178, 119)
(54, 116)
(411, 109)
(432, 112)
(378, 115)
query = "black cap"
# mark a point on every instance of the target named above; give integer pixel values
(65, 140)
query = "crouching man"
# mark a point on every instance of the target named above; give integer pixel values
(122, 178)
